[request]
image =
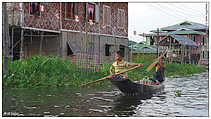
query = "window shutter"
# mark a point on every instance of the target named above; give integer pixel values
(109, 16)
(118, 18)
(123, 18)
(75, 8)
(106, 16)
(97, 13)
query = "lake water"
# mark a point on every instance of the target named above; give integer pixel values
(108, 101)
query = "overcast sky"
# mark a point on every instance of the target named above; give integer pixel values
(144, 17)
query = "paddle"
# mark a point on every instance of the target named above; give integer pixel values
(104, 78)
(155, 62)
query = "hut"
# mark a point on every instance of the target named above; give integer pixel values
(196, 32)
(180, 49)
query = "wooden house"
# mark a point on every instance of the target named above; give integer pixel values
(87, 30)
(187, 42)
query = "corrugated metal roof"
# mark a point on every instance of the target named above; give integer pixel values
(155, 31)
(184, 40)
(146, 49)
(179, 32)
(187, 25)
(188, 32)
(155, 34)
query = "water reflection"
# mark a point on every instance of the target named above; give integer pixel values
(125, 105)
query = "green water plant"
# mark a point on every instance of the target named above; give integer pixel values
(43, 71)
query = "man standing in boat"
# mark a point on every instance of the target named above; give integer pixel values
(159, 75)
(120, 65)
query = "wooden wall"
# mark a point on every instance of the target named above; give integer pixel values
(80, 42)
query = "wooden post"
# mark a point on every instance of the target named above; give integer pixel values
(21, 47)
(5, 37)
(131, 53)
(189, 54)
(182, 54)
(41, 40)
(12, 40)
(184, 49)
(170, 49)
(22, 31)
(99, 54)
(157, 42)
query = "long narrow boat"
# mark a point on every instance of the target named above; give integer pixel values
(129, 87)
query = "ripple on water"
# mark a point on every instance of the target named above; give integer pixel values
(96, 110)
(192, 102)
(101, 98)
(29, 107)
(56, 106)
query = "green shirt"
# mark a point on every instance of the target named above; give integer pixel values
(115, 68)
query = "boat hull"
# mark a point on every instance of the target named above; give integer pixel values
(129, 87)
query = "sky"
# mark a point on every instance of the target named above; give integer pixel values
(144, 17)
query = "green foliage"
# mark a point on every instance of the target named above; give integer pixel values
(42, 71)
(178, 93)
(171, 68)
(182, 69)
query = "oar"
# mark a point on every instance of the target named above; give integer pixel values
(104, 78)
(155, 62)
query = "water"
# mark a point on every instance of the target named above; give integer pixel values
(108, 101)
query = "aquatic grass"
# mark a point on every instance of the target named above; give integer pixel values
(183, 69)
(172, 69)
(42, 71)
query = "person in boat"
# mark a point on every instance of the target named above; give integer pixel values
(120, 65)
(159, 75)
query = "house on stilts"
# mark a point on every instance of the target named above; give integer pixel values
(187, 42)
(88, 30)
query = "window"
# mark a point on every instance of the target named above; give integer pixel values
(34, 8)
(194, 38)
(121, 18)
(122, 49)
(106, 15)
(203, 41)
(151, 41)
(107, 50)
(69, 51)
(71, 10)
(91, 11)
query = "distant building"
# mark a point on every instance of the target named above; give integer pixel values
(143, 48)
(83, 29)
(187, 40)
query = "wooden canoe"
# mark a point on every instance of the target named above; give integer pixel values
(129, 87)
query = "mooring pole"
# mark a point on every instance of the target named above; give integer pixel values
(157, 42)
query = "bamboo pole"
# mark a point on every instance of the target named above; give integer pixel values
(104, 78)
